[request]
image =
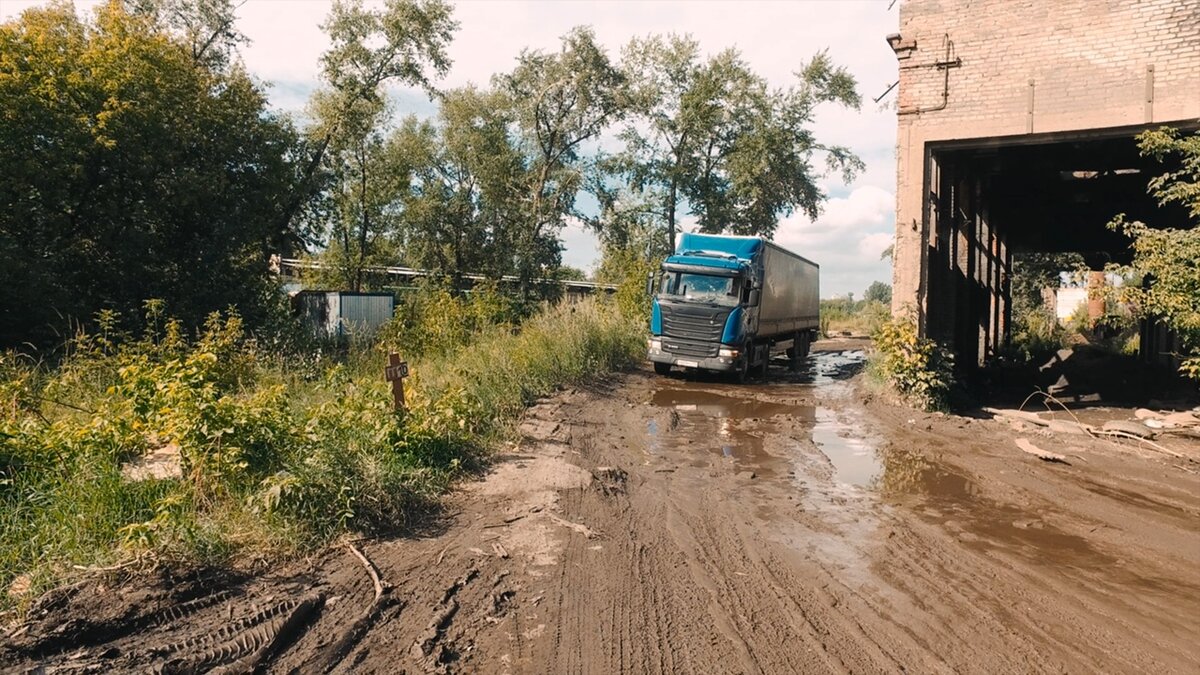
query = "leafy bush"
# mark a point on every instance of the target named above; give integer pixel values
(436, 320)
(629, 269)
(1167, 258)
(919, 369)
(270, 459)
(502, 372)
(1036, 335)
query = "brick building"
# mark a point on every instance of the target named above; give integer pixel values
(1015, 133)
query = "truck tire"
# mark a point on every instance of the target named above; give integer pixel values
(766, 362)
(800, 348)
(662, 368)
(793, 354)
(743, 372)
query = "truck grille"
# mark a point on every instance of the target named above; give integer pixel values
(689, 348)
(693, 331)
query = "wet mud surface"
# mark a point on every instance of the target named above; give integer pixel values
(688, 524)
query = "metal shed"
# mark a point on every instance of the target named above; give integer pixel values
(340, 314)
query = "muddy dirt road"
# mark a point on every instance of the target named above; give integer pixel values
(651, 524)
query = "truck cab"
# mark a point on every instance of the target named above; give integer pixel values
(708, 307)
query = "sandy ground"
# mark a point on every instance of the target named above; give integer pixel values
(671, 524)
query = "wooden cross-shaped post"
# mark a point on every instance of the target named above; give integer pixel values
(395, 372)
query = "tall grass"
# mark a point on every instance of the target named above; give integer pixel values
(278, 452)
(841, 315)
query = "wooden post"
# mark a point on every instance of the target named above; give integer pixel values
(395, 372)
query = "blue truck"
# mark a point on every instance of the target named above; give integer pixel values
(726, 304)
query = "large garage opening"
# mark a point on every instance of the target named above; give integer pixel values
(989, 200)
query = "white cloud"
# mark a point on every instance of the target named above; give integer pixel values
(874, 244)
(581, 247)
(845, 240)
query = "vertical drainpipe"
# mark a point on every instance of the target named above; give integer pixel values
(1149, 93)
(1029, 109)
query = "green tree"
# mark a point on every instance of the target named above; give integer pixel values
(347, 169)
(464, 205)
(878, 292)
(1168, 258)
(712, 134)
(129, 169)
(207, 27)
(362, 187)
(632, 249)
(568, 273)
(560, 102)
(661, 143)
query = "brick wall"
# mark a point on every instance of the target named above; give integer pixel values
(1087, 61)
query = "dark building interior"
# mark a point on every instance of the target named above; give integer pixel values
(989, 199)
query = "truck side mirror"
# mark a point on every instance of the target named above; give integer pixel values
(754, 296)
(650, 283)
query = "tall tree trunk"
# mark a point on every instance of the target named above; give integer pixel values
(526, 269)
(365, 219)
(671, 201)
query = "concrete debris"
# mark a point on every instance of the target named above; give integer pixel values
(1044, 455)
(160, 464)
(1132, 428)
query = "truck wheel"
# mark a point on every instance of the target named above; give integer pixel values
(662, 368)
(795, 353)
(743, 372)
(766, 362)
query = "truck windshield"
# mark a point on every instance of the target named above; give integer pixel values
(701, 287)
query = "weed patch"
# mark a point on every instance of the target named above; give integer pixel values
(920, 370)
(271, 459)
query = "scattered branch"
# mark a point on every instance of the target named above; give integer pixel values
(349, 637)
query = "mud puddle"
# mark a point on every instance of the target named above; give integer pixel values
(735, 421)
(702, 424)
(839, 431)
(955, 503)
(842, 438)
(853, 479)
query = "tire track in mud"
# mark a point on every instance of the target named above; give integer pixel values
(650, 524)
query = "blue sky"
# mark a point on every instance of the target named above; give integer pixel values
(775, 38)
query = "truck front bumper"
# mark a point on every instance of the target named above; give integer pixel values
(729, 358)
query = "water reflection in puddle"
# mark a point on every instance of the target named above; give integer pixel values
(853, 455)
(652, 440)
(730, 427)
(867, 473)
(953, 501)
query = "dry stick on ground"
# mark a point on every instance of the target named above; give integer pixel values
(357, 629)
(1019, 415)
(1123, 434)
(1097, 433)
(1046, 397)
(1092, 431)
(111, 568)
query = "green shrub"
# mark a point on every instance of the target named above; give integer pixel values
(271, 460)
(1036, 335)
(435, 319)
(919, 369)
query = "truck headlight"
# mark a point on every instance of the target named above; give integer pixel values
(655, 344)
(727, 353)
